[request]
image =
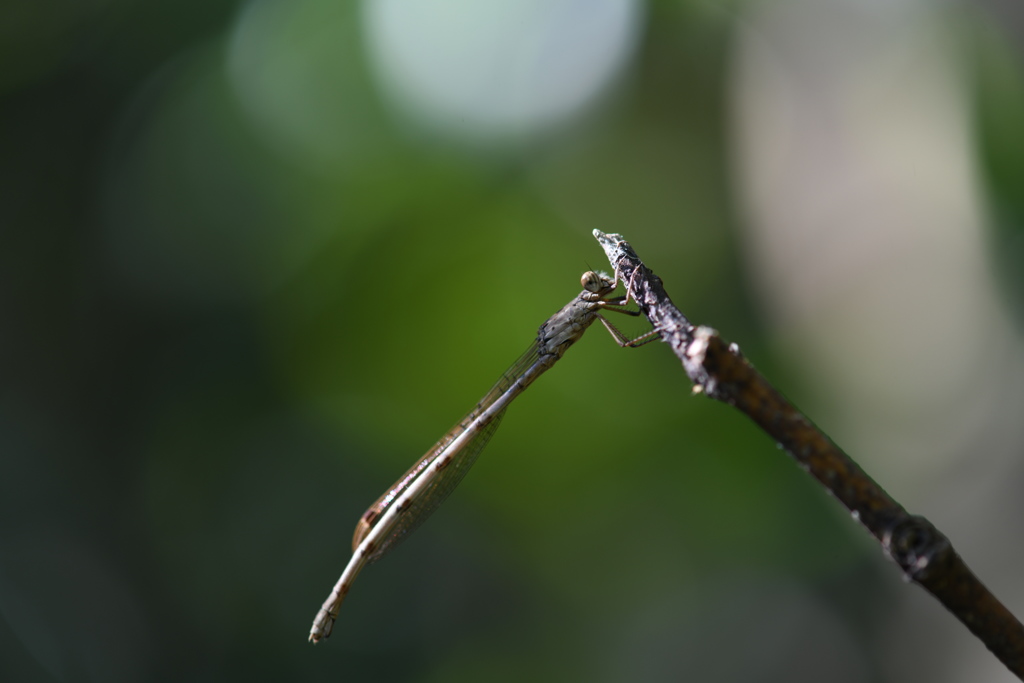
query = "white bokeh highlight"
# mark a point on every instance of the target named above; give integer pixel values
(492, 72)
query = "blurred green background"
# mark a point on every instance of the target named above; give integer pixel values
(256, 257)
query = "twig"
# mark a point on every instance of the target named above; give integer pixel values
(923, 553)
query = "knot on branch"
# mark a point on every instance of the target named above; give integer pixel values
(717, 367)
(916, 546)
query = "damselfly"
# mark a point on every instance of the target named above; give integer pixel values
(419, 491)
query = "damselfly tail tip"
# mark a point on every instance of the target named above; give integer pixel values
(322, 627)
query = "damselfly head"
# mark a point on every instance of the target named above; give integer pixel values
(596, 282)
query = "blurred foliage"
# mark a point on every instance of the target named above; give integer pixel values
(998, 77)
(233, 315)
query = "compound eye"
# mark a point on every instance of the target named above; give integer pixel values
(591, 281)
